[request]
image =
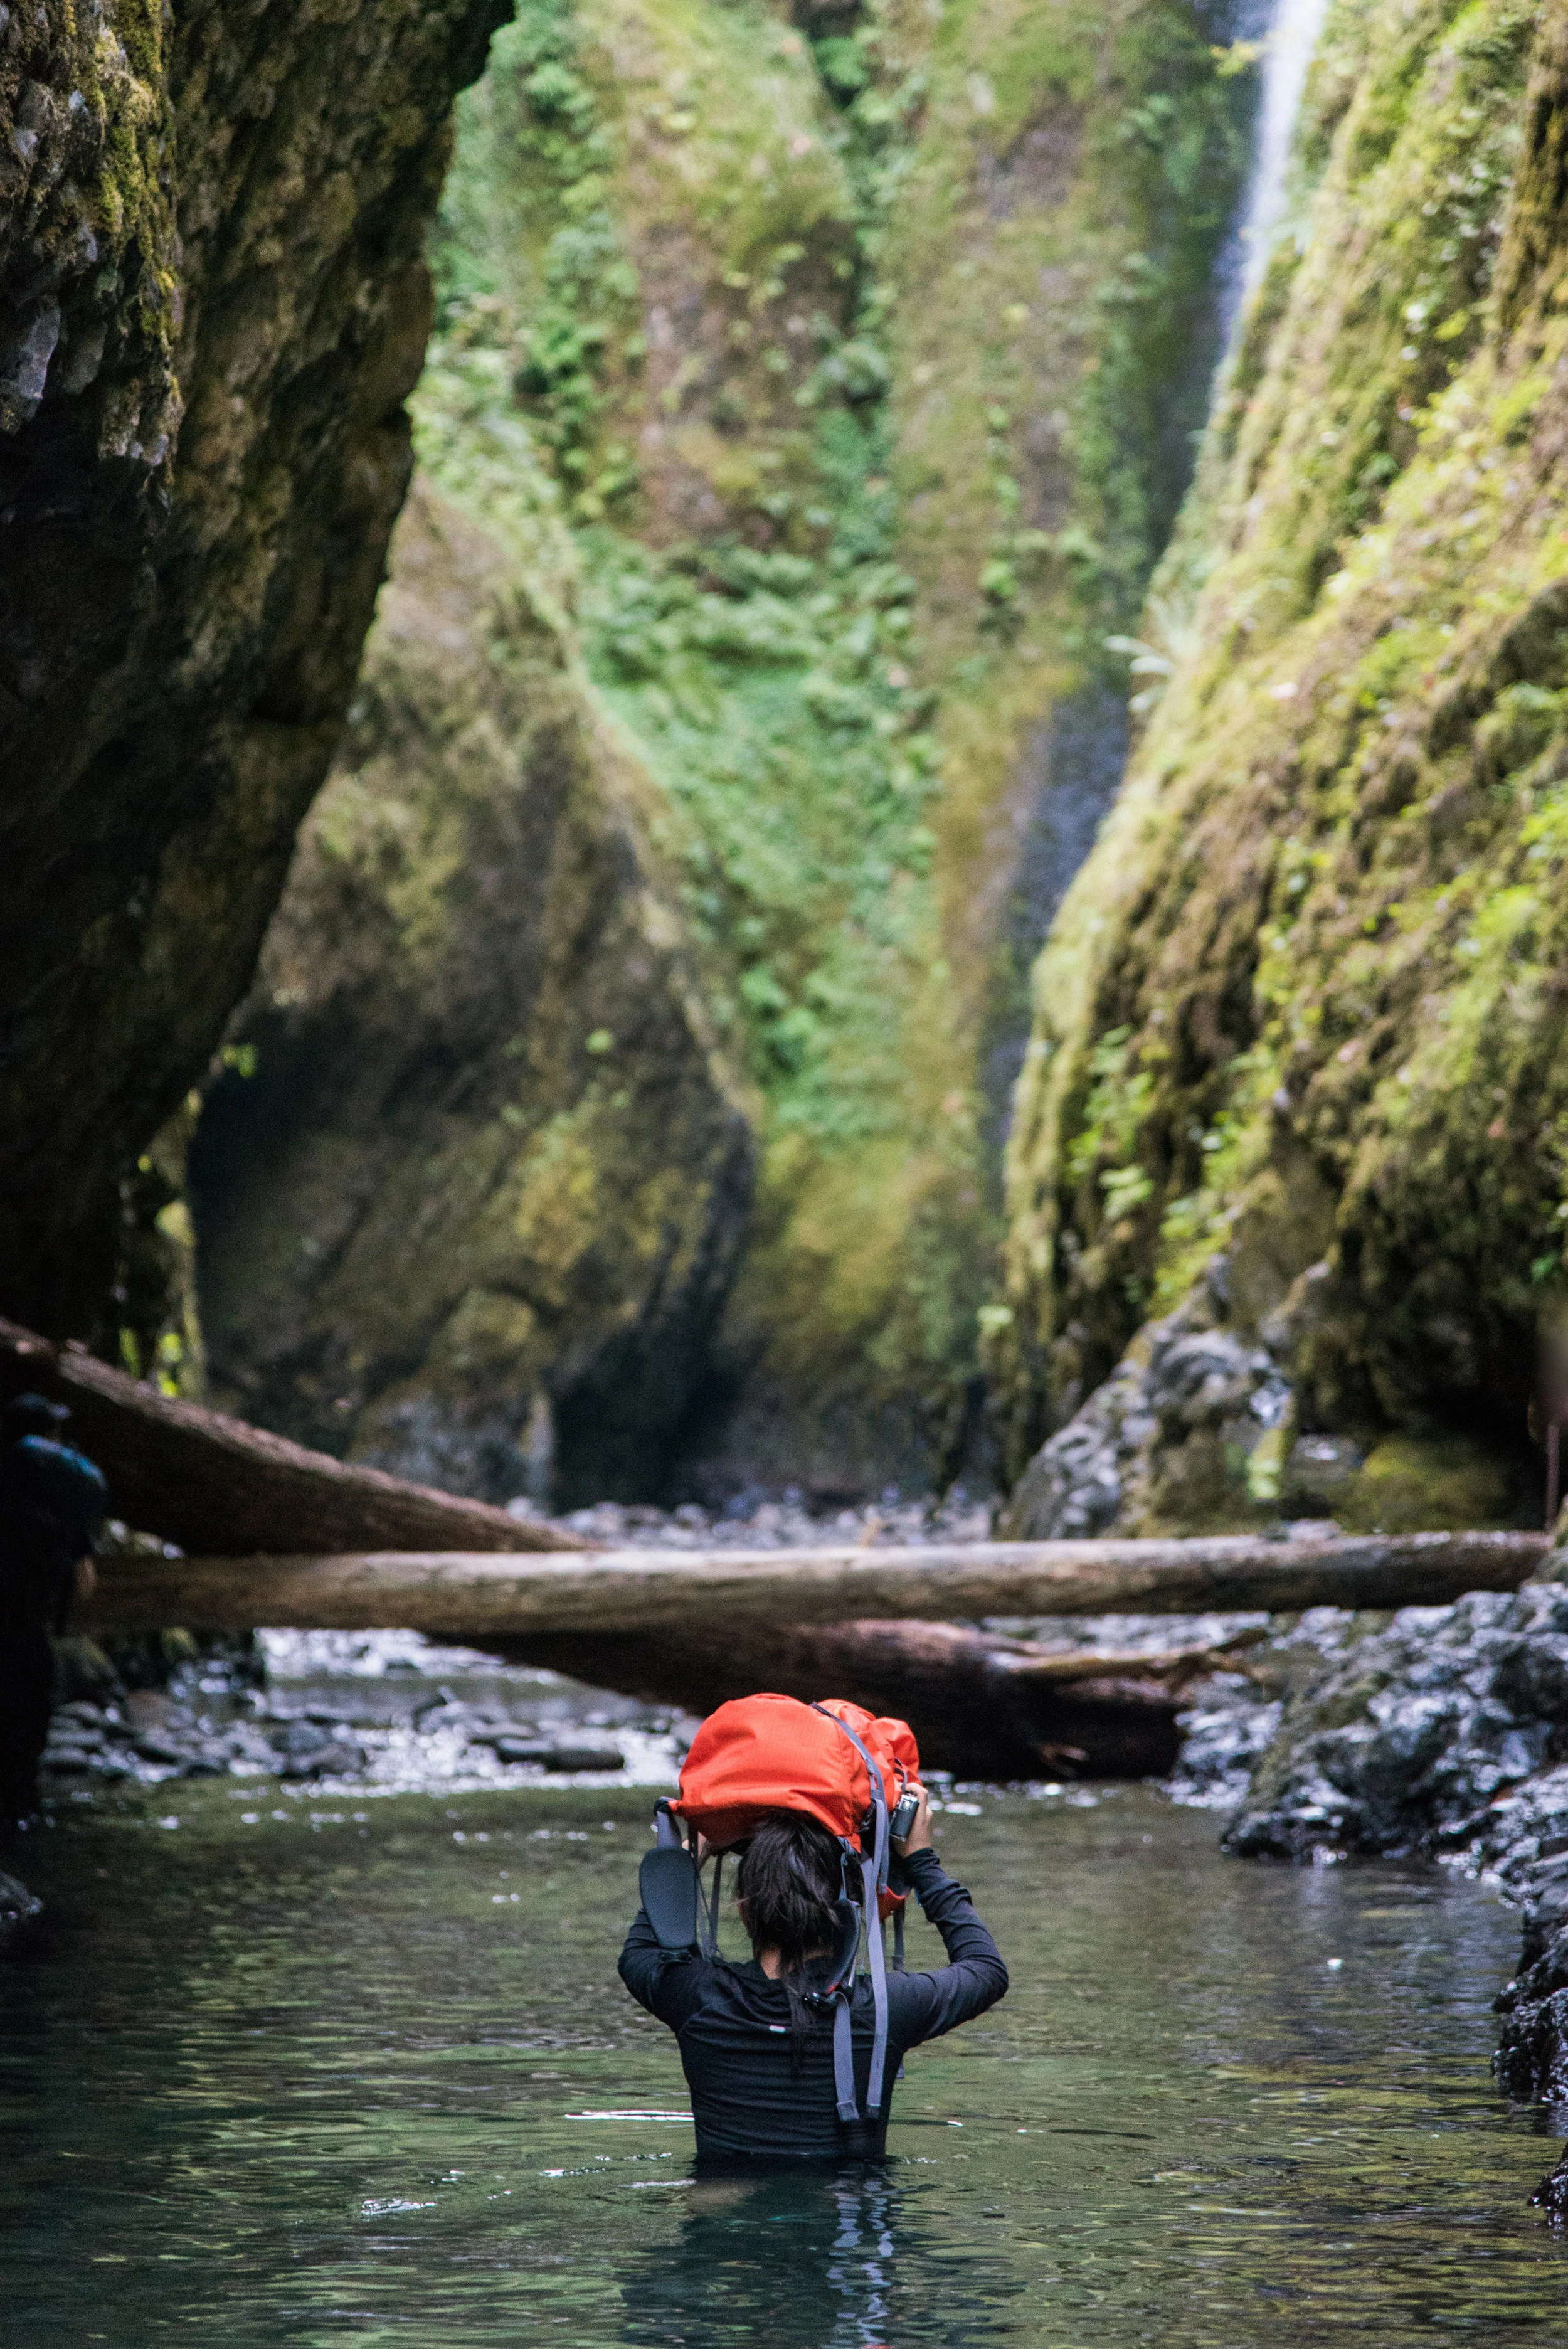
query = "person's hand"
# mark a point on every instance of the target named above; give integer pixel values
(919, 1837)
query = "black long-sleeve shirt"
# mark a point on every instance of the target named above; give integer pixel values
(733, 2025)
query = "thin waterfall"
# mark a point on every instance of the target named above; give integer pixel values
(1074, 761)
(1289, 32)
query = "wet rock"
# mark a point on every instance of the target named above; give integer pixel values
(583, 1757)
(310, 1751)
(1222, 1736)
(246, 1748)
(1532, 2059)
(1072, 1487)
(18, 1906)
(158, 1745)
(444, 1710)
(85, 1740)
(1165, 1444)
(1405, 1740)
(498, 1734)
(82, 1713)
(64, 1738)
(1552, 2194)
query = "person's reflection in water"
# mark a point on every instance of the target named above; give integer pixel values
(794, 2260)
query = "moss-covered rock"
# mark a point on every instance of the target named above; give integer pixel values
(1412, 1484)
(1304, 1010)
(470, 1193)
(861, 347)
(212, 302)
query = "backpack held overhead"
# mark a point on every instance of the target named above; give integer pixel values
(842, 1767)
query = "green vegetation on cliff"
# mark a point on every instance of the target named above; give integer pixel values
(1304, 1010)
(857, 359)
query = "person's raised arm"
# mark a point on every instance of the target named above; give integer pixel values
(974, 1976)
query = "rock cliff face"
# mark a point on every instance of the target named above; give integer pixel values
(469, 1196)
(213, 302)
(1296, 1074)
(853, 355)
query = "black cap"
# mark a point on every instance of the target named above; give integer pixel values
(33, 1414)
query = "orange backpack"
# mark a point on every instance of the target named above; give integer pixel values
(761, 1754)
(840, 1765)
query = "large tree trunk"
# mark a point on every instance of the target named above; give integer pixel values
(978, 1705)
(717, 1593)
(212, 1484)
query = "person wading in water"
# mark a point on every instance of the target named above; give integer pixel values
(52, 1503)
(757, 2056)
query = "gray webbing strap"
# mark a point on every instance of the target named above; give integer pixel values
(844, 2061)
(879, 1980)
(710, 1948)
(874, 1876)
(898, 1964)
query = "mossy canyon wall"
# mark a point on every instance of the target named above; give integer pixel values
(1288, 1182)
(214, 301)
(823, 385)
(619, 1097)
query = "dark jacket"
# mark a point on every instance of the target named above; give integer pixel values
(733, 2026)
(52, 1503)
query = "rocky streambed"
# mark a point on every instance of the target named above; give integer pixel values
(384, 1711)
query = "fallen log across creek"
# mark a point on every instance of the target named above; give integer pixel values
(215, 1484)
(479, 1596)
(693, 1627)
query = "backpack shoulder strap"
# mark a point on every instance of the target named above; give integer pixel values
(874, 1879)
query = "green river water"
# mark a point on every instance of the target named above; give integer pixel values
(364, 2073)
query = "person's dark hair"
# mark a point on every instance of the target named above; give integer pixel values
(789, 1879)
(32, 1414)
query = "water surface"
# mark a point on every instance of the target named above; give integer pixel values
(343, 2074)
